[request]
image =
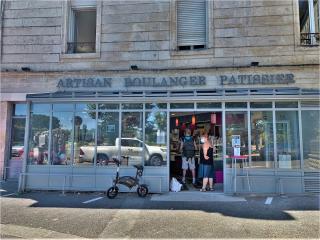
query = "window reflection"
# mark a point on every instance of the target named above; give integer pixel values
(108, 133)
(39, 134)
(156, 138)
(311, 139)
(131, 137)
(61, 138)
(262, 140)
(84, 137)
(236, 124)
(17, 138)
(288, 146)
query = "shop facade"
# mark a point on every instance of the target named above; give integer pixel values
(73, 131)
(85, 81)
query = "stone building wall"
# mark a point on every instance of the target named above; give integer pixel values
(142, 33)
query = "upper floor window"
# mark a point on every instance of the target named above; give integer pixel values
(191, 24)
(82, 25)
(309, 22)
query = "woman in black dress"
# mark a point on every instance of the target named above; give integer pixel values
(206, 170)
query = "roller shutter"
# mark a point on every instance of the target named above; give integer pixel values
(83, 3)
(191, 22)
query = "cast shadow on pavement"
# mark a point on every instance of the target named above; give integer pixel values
(252, 208)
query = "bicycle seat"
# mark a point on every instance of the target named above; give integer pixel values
(139, 167)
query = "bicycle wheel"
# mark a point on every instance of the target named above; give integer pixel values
(142, 190)
(112, 192)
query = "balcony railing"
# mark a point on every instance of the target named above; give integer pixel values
(309, 39)
(81, 47)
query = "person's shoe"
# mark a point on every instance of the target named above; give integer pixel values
(212, 189)
(203, 190)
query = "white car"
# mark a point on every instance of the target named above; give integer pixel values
(131, 148)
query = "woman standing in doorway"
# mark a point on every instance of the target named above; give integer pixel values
(206, 170)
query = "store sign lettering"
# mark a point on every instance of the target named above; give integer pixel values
(257, 79)
(165, 81)
(85, 83)
(173, 81)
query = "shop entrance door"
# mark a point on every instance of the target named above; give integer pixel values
(198, 123)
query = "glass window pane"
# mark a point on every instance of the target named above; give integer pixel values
(40, 108)
(288, 146)
(236, 124)
(286, 104)
(61, 143)
(84, 137)
(62, 107)
(20, 109)
(261, 105)
(156, 138)
(39, 135)
(85, 107)
(17, 138)
(208, 105)
(108, 133)
(181, 105)
(17, 148)
(236, 105)
(108, 106)
(311, 139)
(132, 105)
(262, 140)
(314, 104)
(85, 31)
(156, 105)
(131, 129)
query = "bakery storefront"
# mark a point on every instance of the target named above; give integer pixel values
(264, 126)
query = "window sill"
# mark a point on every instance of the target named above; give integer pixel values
(79, 55)
(208, 51)
(307, 48)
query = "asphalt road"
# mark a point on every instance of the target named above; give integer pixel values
(53, 215)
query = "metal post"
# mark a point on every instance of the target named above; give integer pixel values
(64, 184)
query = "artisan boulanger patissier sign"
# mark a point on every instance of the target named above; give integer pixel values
(70, 83)
(256, 79)
(129, 82)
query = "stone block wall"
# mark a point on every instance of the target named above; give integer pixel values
(141, 33)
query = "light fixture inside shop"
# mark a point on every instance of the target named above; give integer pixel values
(177, 122)
(193, 120)
(213, 118)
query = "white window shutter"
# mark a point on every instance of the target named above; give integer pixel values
(191, 22)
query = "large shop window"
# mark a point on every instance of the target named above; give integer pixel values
(61, 136)
(39, 134)
(156, 138)
(262, 144)
(191, 24)
(108, 135)
(132, 146)
(309, 11)
(311, 139)
(236, 125)
(84, 134)
(288, 147)
(17, 140)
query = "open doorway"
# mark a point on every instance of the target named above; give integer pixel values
(198, 123)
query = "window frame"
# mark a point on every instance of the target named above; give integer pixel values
(174, 48)
(297, 33)
(65, 33)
